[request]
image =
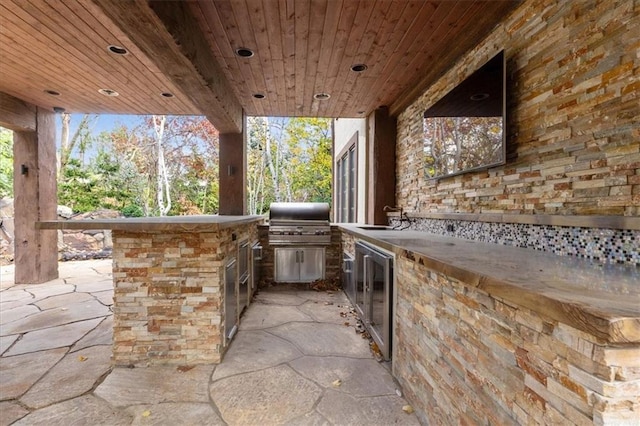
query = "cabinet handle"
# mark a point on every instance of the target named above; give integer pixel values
(366, 271)
(297, 256)
(301, 256)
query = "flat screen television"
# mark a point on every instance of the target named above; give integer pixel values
(465, 130)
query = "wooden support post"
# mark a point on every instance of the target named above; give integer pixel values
(35, 192)
(233, 165)
(381, 156)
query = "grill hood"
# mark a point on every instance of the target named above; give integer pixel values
(298, 212)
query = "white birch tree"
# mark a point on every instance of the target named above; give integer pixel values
(163, 189)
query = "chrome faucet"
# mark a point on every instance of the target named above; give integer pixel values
(392, 209)
(403, 217)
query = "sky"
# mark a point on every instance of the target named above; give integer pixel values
(103, 122)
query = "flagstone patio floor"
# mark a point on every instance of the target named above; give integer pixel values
(296, 360)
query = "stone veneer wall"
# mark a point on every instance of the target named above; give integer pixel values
(603, 245)
(573, 130)
(464, 357)
(169, 295)
(333, 256)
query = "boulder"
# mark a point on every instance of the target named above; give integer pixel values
(80, 241)
(65, 212)
(72, 244)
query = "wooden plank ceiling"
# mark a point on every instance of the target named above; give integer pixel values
(301, 48)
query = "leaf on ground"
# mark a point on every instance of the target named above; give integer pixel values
(82, 358)
(336, 383)
(146, 413)
(407, 409)
(185, 368)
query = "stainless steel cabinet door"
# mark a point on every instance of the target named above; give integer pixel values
(311, 261)
(230, 299)
(287, 269)
(299, 264)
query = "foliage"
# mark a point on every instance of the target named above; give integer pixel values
(124, 175)
(288, 160)
(6, 163)
(132, 210)
(77, 188)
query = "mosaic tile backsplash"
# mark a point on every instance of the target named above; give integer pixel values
(604, 245)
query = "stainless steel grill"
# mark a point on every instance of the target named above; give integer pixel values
(299, 224)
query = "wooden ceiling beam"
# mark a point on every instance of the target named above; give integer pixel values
(168, 33)
(17, 115)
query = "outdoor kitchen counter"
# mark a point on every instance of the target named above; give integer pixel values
(600, 299)
(206, 223)
(175, 285)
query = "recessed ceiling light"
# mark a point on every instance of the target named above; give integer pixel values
(166, 94)
(118, 50)
(359, 67)
(321, 96)
(58, 109)
(258, 95)
(52, 92)
(244, 52)
(479, 96)
(108, 92)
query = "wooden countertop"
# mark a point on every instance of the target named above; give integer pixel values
(208, 223)
(600, 299)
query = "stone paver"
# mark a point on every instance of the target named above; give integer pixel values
(63, 300)
(58, 316)
(296, 360)
(84, 410)
(267, 316)
(10, 412)
(342, 409)
(279, 298)
(126, 386)
(270, 396)
(21, 372)
(101, 335)
(14, 294)
(255, 350)
(74, 375)
(175, 413)
(357, 377)
(94, 286)
(17, 313)
(104, 297)
(324, 339)
(52, 337)
(332, 312)
(52, 288)
(7, 341)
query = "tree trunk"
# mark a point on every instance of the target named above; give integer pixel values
(163, 195)
(273, 168)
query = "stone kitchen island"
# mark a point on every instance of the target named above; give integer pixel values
(492, 334)
(169, 284)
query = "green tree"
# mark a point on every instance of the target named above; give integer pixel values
(6, 163)
(76, 187)
(309, 141)
(289, 159)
